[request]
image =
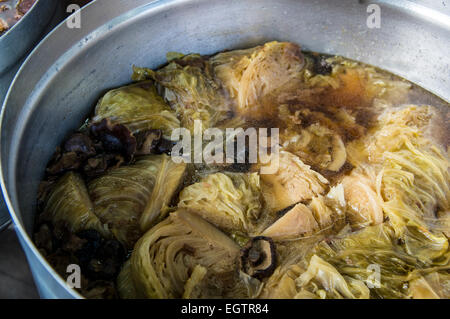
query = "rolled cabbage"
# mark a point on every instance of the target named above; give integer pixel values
(252, 77)
(130, 199)
(137, 106)
(189, 87)
(231, 201)
(68, 203)
(183, 256)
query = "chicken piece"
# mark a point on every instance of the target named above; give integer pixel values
(323, 212)
(364, 204)
(295, 223)
(293, 182)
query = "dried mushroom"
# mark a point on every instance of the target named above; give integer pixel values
(259, 257)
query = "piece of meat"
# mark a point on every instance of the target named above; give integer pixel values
(293, 182)
(295, 223)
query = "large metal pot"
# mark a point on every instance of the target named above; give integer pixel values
(64, 76)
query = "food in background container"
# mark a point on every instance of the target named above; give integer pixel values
(11, 11)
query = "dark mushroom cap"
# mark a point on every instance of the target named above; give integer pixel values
(258, 257)
(116, 138)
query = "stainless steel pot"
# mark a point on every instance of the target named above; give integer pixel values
(64, 76)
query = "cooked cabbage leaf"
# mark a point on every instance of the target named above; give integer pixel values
(413, 176)
(125, 285)
(231, 201)
(130, 199)
(319, 280)
(324, 280)
(137, 106)
(252, 77)
(183, 256)
(68, 203)
(317, 146)
(355, 255)
(188, 85)
(368, 263)
(330, 210)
